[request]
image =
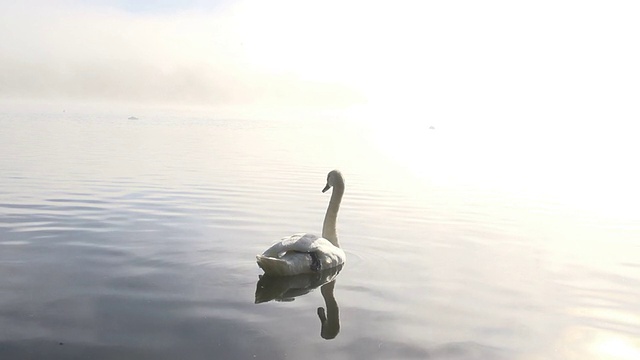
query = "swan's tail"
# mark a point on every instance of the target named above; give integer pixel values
(272, 266)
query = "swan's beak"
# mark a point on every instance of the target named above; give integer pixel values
(326, 188)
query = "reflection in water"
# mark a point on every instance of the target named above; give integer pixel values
(330, 322)
(287, 288)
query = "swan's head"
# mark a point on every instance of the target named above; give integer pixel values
(334, 177)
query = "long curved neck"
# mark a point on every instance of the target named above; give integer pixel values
(329, 225)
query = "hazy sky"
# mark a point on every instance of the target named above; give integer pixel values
(495, 60)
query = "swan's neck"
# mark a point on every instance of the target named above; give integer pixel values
(329, 225)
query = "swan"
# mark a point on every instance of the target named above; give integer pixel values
(305, 253)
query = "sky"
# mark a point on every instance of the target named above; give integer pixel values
(462, 62)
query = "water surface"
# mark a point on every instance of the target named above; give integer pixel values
(136, 239)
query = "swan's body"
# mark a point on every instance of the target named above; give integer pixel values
(305, 253)
(300, 254)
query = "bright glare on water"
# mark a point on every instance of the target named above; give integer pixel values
(137, 239)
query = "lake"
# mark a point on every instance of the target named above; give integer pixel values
(137, 239)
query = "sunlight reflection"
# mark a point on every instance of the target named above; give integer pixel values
(582, 168)
(615, 347)
(586, 343)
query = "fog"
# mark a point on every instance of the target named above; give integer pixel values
(499, 63)
(68, 50)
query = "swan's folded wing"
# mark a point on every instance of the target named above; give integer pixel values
(272, 265)
(301, 242)
(289, 264)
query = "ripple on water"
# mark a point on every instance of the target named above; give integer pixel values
(145, 245)
(15, 243)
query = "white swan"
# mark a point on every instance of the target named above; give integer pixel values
(305, 253)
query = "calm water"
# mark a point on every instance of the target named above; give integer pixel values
(136, 239)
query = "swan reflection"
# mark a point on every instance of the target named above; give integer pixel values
(287, 288)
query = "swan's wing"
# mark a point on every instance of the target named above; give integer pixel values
(292, 255)
(290, 263)
(301, 242)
